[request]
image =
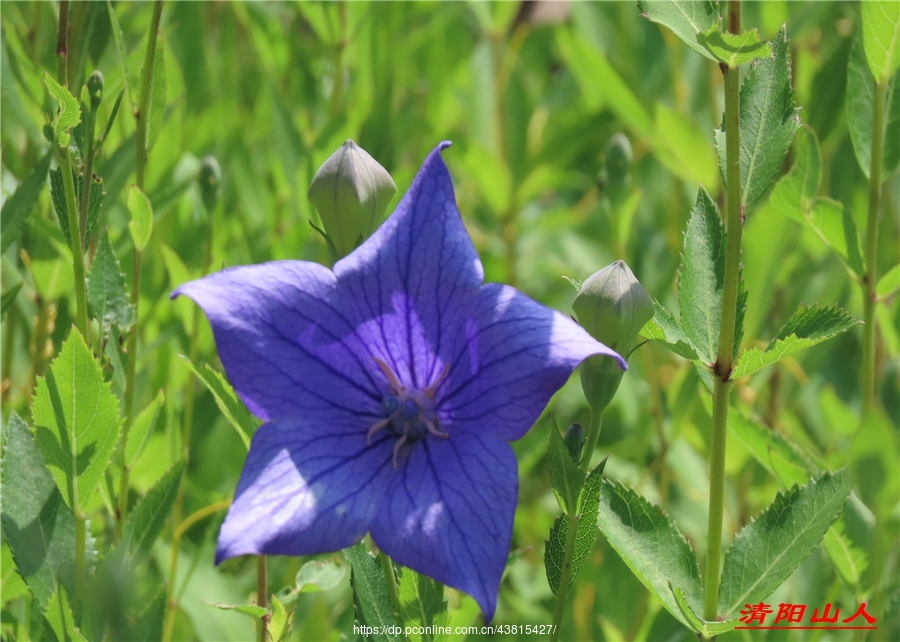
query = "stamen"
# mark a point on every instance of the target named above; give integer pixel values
(378, 425)
(397, 447)
(430, 390)
(392, 379)
(434, 431)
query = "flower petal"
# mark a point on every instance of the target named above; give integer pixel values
(449, 513)
(287, 346)
(305, 489)
(518, 353)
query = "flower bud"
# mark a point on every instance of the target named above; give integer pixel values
(574, 441)
(613, 307)
(210, 181)
(95, 88)
(351, 191)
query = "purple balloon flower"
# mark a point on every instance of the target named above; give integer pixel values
(390, 389)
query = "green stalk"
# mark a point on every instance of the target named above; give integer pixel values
(261, 594)
(725, 358)
(592, 437)
(65, 166)
(871, 278)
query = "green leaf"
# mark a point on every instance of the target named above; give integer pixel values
(119, 37)
(707, 630)
(157, 95)
(808, 326)
(107, 298)
(37, 524)
(69, 113)
(18, 206)
(665, 329)
(733, 49)
(8, 298)
(252, 610)
(233, 408)
(280, 624)
(686, 18)
(58, 196)
(683, 147)
(849, 541)
(148, 518)
(701, 278)
(651, 545)
(566, 477)
(555, 549)
(768, 122)
(141, 429)
(771, 547)
(141, 225)
(370, 597)
(881, 36)
(320, 575)
(76, 420)
(887, 285)
(859, 105)
(422, 605)
(780, 457)
(60, 619)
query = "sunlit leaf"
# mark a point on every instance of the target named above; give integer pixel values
(733, 49)
(686, 18)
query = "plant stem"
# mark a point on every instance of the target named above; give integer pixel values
(142, 112)
(734, 220)
(261, 591)
(871, 278)
(62, 44)
(562, 591)
(592, 437)
(65, 166)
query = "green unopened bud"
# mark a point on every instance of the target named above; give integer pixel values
(210, 181)
(95, 88)
(613, 307)
(351, 191)
(574, 441)
(618, 166)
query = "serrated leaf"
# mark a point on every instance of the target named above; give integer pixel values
(37, 525)
(566, 478)
(859, 106)
(808, 326)
(768, 122)
(651, 545)
(148, 627)
(771, 547)
(881, 36)
(8, 298)
(707, 630)
(141, 430)
(733, 49)
(148, 518)
(370, 597)
(60, 619)
(233, 408)
(701, 278)
(76, 420)
(157, 95)
(322, 575)
(422, 606)
(69, 113)
(18, 206)
(108, 300)
(141, 225)
(686, 18)
(119, 37)
(555, 549)
(665, 329)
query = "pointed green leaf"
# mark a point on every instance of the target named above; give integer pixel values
(771, 547)
(849, 541)
(780, 457)
(60, 619)
(859, 105)
(141, 225)
(808, 326)
(881, 36)
(252, 610)
(768, 122)
(233, 408)
(280, 623)
(701, 277)
(119, 37)
(108, 300)
(320, 575)
(37, 525)
(665, 329)
(157, 95)
(18, 206)
(76, 420)
(370, 597)
(148, 627)
(733, 49)
(651, 545)
(707, 630)
(148, 518)
(422, 606)
(887, 285)
(566, 477)
(555, 549)
(58, 196)
(9, 298)
(69, 113)
(142, 429)
(686, 18)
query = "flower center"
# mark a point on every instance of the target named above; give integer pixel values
(409, 413)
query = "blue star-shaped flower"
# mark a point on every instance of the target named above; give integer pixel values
(390, 388)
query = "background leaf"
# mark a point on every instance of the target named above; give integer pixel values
(148, 518)
(108, 300)
(141, 225)
(18, 206)
(566, 477)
